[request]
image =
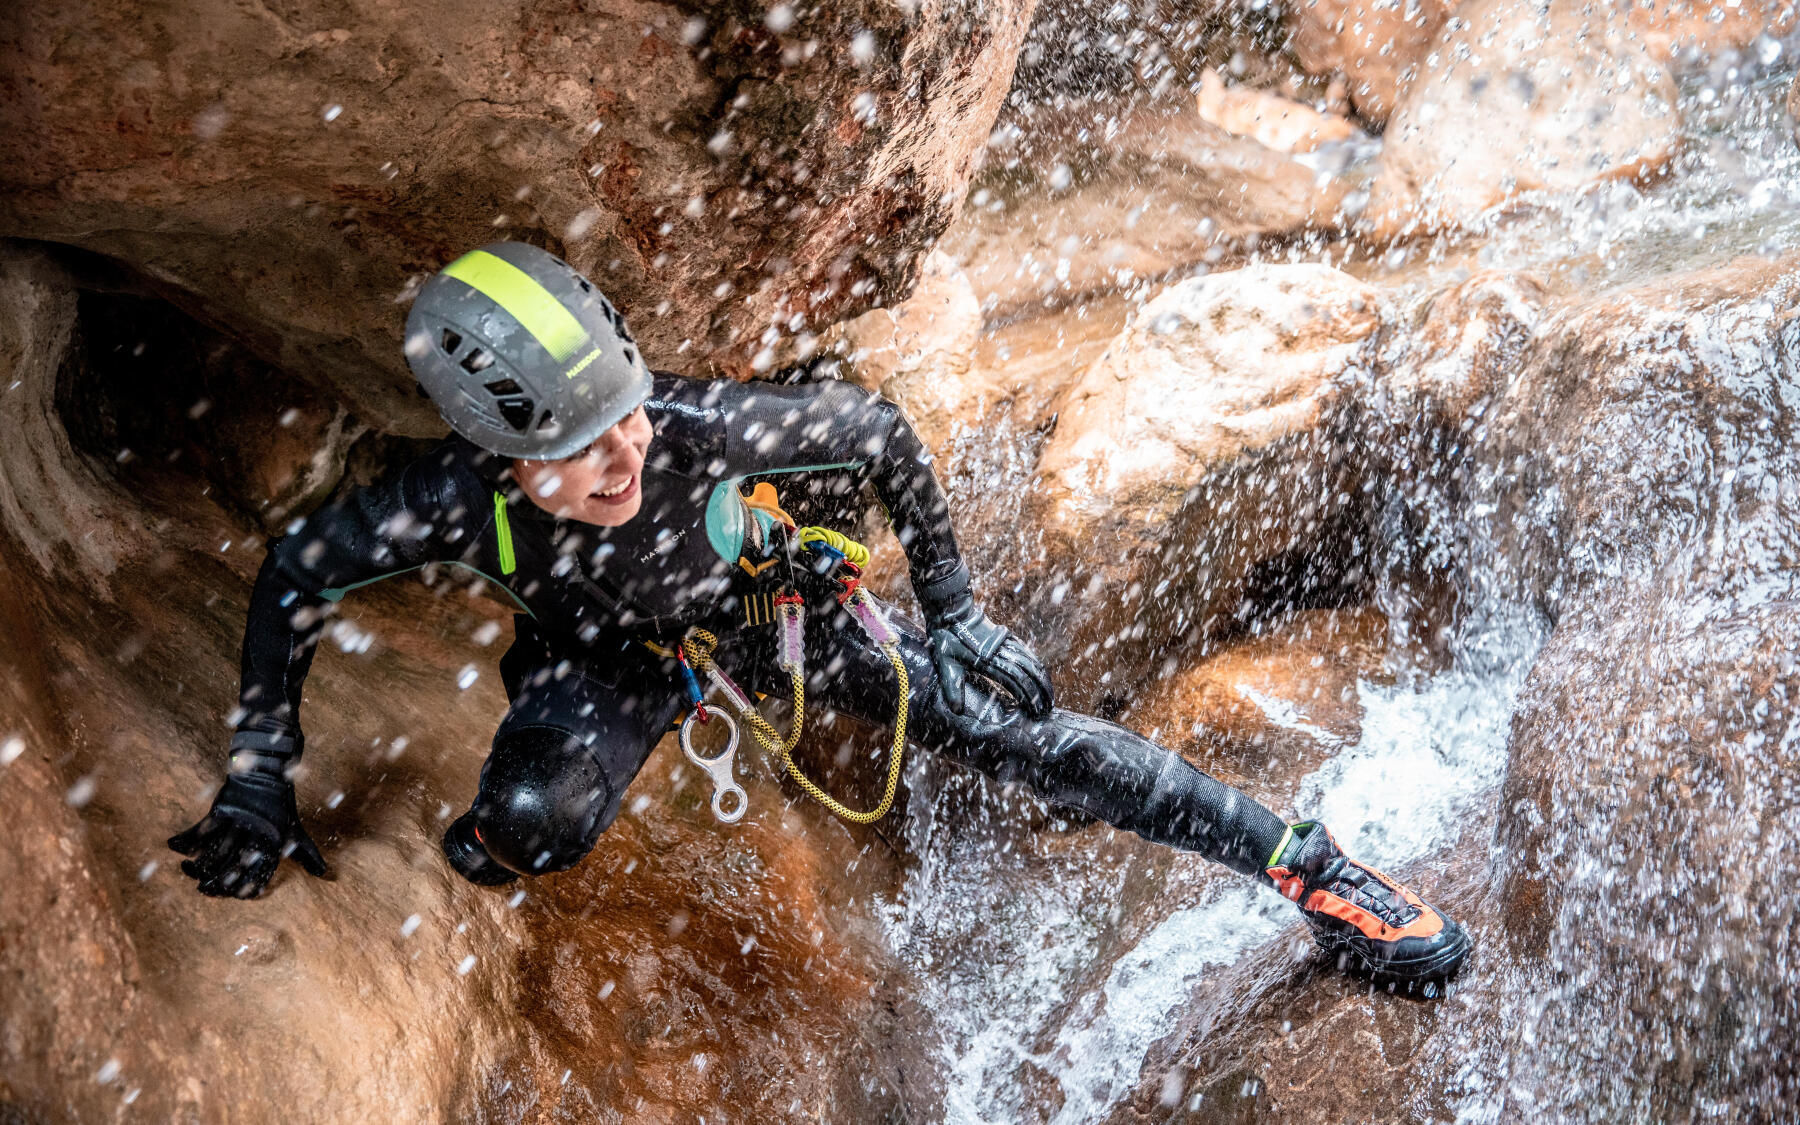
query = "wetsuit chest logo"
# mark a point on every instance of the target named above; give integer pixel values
(665, 544)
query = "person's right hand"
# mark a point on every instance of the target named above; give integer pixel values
(238, 844)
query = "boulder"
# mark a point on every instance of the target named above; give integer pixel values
(1441, 359)
(1193, 450)
(1262, 713)
(1098, 198)
(922, 353)
(1376, 45)
(1561, 96)
(1650, 742)
(292, 174)
(1269, 119)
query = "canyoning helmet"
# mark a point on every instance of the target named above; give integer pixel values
(522, 355)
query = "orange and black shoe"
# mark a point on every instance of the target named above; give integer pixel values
(1369, 924)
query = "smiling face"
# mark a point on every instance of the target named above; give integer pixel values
(599, 485)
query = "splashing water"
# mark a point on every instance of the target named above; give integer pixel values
(1028, 936)
(1734, 189)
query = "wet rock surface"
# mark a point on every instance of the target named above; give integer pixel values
(1214, 402)
(293, 173)
(1690, 29)
(1434, 460)
(1171, 190)
(1376, 45)
(1265, 711)
(1273, 121)
(1562, 96)
(1649, 741)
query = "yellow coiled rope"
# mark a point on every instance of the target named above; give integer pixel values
(699, 645)
(854, 553)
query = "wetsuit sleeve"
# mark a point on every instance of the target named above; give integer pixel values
(391, 526)
(839, 425)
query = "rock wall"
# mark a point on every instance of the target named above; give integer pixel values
(1237, 461)
(1563, 95)
(1633, 473)
(1196, 448)
(731, 176)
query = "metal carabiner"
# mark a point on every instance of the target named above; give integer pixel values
(718, 768)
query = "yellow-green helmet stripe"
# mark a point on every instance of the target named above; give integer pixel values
(525, 300)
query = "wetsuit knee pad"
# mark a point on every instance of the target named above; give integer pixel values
(544, 800)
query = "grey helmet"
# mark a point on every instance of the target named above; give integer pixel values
(521, 354)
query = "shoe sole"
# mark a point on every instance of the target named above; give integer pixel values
(1433, 968)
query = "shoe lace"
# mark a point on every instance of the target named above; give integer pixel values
(1357, 884)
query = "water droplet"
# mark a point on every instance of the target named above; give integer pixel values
(862, 48)
(81, 792)
(583, 222)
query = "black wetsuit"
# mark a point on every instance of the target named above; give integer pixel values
(589, 700)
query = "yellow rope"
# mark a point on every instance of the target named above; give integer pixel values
(699, 646)
(854, 553)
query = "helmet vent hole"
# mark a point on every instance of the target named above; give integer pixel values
(518, 413)
(548, 421)
(478, 359)
(631, 356)
(504, 387)
(585, 287)
(450, 341)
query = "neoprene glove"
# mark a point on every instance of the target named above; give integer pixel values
(253, 823)
(963, 640)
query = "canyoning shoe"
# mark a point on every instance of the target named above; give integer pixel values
(462, 847)
(1368, 924)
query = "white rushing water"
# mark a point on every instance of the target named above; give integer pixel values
(1024, 934)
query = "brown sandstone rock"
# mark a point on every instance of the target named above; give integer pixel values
(921, 353)
(1654, 728)
(729, 177)
(1515, 99)
(1263, 713)
(1375, 44)
(1440, 360)
(1271, 120)
(1190, 452)
(1135, 194)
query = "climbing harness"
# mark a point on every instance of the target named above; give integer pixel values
(694, 654)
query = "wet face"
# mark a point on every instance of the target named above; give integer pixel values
(599, 485)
